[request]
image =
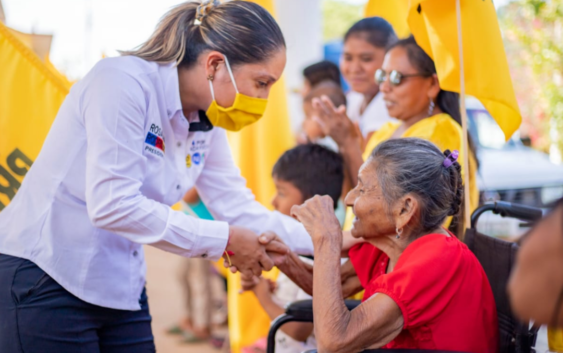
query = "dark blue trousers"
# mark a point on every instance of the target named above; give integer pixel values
(37, 315)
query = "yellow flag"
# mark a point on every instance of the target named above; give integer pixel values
(434, 26)
(394, 11)
(30, 97)
(256, 149)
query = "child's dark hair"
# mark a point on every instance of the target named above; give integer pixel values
(331, 90)
(313, 170)
(322, 71)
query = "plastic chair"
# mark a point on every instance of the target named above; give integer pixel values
(497, 258)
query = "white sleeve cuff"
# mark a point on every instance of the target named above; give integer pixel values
(212, 239)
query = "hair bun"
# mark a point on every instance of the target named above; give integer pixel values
(204, 9)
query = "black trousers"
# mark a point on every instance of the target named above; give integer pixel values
(38, 315)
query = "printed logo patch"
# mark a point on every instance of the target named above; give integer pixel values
(155, 141)
(189, 161)
(196, 158)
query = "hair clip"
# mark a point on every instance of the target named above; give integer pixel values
(451, 159)
(203, 10)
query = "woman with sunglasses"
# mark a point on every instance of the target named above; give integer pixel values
(413, 96)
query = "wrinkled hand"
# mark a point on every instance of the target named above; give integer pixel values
(334, 121)
(250, 256)
(274, 252)
(272, 242)
(318, 218)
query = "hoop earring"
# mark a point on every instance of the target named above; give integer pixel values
(431, 108)
(399, 232)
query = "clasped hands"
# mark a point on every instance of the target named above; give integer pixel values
(316, 215)
(250, 255)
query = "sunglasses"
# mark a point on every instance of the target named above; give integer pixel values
(395, 77)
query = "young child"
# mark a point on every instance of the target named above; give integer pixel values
(311, 127)
(317, 73)
(299, 174)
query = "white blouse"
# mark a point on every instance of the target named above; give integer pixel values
(118, 155)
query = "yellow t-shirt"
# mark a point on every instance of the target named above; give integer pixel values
(444, 132)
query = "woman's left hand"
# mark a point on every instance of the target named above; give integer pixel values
(318, 218)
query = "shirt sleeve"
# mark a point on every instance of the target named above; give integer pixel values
(223, 190)
(423, 281)
(113, 107)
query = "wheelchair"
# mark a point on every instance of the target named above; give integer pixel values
(497, 258)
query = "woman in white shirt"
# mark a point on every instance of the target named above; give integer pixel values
(364, 50)
(130, 139)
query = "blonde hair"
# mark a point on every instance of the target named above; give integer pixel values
(243, 31)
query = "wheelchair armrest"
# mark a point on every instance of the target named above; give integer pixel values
(300, 311)
(303, 309)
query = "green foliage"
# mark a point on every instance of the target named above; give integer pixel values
(338, 16)
(533, 33)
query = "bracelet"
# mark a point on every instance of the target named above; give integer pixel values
(226, 253)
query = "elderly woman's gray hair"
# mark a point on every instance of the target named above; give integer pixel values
(412, 165)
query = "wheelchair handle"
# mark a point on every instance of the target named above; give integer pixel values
(507, 209)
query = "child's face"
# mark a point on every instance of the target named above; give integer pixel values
(311, 127)
(306, 88)
(287, 195)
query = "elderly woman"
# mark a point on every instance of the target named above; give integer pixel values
(424, 289)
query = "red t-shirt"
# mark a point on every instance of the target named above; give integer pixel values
(441, 289)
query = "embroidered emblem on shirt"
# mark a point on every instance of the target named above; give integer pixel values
(189, 161)
(156, 140)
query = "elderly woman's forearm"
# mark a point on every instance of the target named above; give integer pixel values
(299, 272)
(372, 324)
(330, 314)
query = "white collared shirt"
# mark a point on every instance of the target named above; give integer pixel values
(118, 155)
(375, 115)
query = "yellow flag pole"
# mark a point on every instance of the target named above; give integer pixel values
(463, 111)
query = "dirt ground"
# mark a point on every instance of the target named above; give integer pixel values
(165, 301)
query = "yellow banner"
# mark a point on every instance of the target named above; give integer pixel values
(434, 26)
(394, 11)
(30, 97)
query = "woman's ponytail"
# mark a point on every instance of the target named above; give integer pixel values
(243, 31)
